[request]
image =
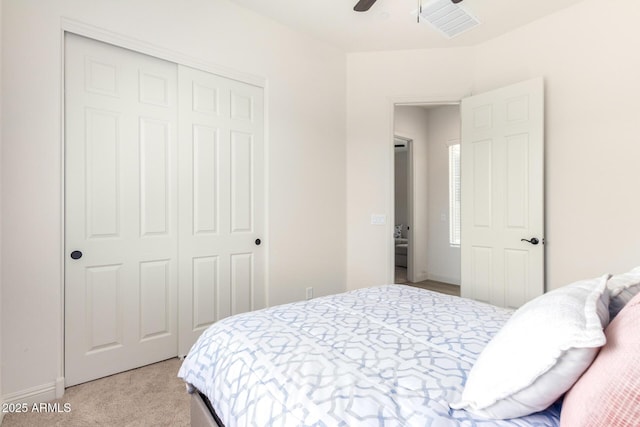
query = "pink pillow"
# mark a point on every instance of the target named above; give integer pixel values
(608, 393)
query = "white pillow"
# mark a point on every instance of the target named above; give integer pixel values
(539, 353)
(623, 287)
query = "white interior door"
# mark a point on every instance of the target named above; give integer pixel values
(222, 257)
(120, 209)
(502, 186)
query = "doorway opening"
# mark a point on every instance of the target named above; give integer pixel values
(403, 209)
(502, 178)
(426, 216)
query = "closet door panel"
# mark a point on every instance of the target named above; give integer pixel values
(242, 183)
(120, 209)
(206, 200)
(221, 200)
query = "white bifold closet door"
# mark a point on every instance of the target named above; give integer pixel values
(164, 202)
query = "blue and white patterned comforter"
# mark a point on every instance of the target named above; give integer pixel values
(384, 356)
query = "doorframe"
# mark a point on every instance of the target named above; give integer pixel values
(72, 26)
(410, 264)
(392, 103)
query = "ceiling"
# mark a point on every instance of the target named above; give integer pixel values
(391, 24)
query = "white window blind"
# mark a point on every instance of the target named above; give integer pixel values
(454, 194)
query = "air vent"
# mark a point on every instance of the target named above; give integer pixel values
(448, 18)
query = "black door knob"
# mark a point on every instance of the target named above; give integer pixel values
(533, 241)
(258, 241)
(76, 255)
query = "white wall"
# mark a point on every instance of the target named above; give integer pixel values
(411, 122)
(306, 134)
(443, 124)
(588, 57)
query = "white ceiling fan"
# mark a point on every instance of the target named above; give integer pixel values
(445, 16)
(364, 5)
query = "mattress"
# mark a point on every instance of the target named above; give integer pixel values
(384, 356)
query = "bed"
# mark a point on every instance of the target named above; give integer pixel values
(388, 356)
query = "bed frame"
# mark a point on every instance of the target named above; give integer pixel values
(202, 414)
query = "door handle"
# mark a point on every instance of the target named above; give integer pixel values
(258, 241)
(76, 255)
(533, 241)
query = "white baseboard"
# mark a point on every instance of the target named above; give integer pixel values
(37, 394)
(443, 279)
(420, 277)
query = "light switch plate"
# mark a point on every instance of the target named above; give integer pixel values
(378, 219)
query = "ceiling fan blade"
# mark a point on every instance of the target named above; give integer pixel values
(363, 5)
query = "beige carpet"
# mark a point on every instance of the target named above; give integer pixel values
(147, 396)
